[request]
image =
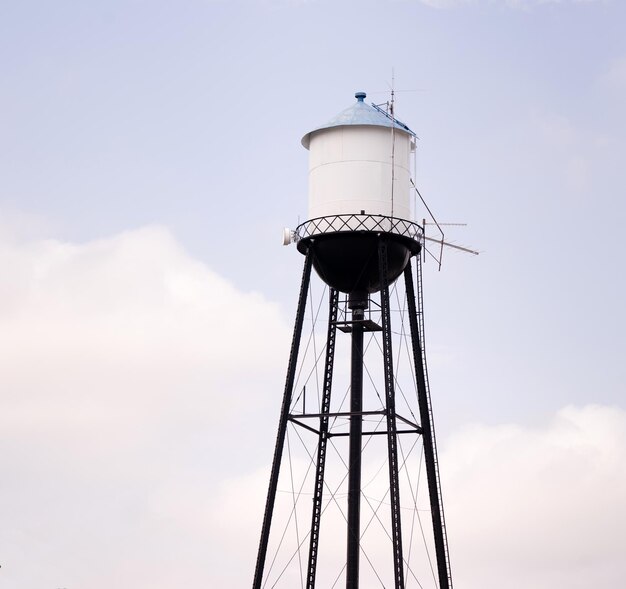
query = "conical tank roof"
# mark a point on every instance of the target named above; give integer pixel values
(360, 113)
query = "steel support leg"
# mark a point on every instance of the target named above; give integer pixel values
(282, 424)
(358, 305)
(430, 449)
(392, 438)
(333, 298)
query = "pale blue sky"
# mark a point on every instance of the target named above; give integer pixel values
(120, 115)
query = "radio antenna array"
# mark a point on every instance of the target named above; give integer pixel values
(441, 241)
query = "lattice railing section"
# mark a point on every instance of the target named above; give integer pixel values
(375, 223)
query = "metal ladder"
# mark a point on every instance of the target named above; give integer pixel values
(420, 318)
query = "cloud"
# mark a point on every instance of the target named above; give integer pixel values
(522, 4)
(124, 363)
(134, 381)
(539, 507)
(132, 311)
(444, 3)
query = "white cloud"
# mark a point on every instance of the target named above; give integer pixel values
(16, 224)
(510, 3)
(123, 453)
(123, 363)
(445, 3)
(130, 312)
(539, 507)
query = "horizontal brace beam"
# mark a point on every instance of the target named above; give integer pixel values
(340, 414)
(378, 433)
(367, 324)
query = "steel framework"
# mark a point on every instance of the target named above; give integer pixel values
(395, 425)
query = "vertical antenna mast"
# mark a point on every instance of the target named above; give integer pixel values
(393, 137)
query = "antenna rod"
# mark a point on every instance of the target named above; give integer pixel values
(448, 244)
(393, 139)
(433, 218)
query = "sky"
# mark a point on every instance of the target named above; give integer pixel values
(149, 158)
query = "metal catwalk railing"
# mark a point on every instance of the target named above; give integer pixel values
(363, 222)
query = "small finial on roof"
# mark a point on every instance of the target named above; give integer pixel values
(360, 96)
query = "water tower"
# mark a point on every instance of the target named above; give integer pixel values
(361, 240)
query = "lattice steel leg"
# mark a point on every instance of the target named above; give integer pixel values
(430, 449)
(282, 424)
(358, 303)
(333, 298)
(392, 439)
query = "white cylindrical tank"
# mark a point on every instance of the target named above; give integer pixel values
(359, 163)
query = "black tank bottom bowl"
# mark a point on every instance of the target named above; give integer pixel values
(349, 261)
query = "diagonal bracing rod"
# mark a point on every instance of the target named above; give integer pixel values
(282, 424)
